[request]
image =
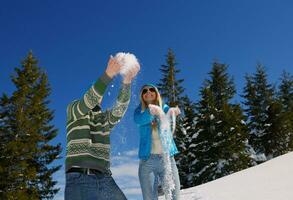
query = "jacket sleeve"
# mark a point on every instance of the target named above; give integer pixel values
(165, 108)
(89, 100)
(142, 118)
(121, 105)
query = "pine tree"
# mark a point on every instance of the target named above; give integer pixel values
(219, 142)
(170, 88)
(5, 156)
(12, 156)
(30, 133)
(285, 94)
(259, 95)
(278, 139)
(171, 91)
(279, 131)
(186, 154)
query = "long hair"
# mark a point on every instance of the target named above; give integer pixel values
(158, 100)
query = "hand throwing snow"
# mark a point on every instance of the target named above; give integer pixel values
(130, 66)
(113, 67)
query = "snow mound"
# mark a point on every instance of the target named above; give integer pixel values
(271, 180)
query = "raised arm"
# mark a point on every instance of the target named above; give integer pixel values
(121, 105)
(94, 95)
(122, 102)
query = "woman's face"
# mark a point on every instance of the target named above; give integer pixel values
(149, 94)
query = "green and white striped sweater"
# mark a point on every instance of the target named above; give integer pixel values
(88, 130)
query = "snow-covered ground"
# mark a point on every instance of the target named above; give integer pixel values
(272, 180)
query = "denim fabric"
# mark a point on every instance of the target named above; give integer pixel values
(91, 187)
(151, 172)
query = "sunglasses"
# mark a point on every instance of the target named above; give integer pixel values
(145, 90)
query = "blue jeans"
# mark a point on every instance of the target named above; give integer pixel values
(152, 171)
(91, 187)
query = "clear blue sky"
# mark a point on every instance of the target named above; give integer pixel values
(74, 39)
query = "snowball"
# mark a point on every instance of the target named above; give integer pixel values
(128, 62)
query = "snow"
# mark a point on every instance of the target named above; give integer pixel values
(184, 131)
(219, 134)
(260, 157)
(195, 135)
(128, 62)
(166, 134)
(271, 180)
(221, 164)
(192, 145)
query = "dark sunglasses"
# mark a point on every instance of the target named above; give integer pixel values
(145, 90)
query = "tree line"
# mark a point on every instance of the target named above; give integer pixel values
(217, 137)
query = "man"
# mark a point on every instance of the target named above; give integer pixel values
(88, 175)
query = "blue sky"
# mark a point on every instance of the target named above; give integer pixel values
(74, 39)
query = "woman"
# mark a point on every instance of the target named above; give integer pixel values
(151, 166)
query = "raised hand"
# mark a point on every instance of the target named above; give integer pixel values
(113, 67)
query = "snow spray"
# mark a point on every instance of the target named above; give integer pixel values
(128, 62)
(166, 135)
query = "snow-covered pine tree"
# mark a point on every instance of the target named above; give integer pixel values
(258, 95)
(285, 93)
(285, 96)
(187, 155)
(278, 139)
(219, 143)
(29, 123)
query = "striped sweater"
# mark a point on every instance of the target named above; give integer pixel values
(88, 129)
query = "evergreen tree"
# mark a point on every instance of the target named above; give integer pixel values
(171, 91)
(218, 144)
(170, 88)
(278, 139)
(30, 132)
(13, 161)
(285, 94)
(5, 159)
(279, 131)
(186, 154)
(259, 95)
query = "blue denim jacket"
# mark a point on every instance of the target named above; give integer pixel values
(144, 120)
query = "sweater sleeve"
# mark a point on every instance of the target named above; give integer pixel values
(142, 118)
(121, 105)
(90, 99)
